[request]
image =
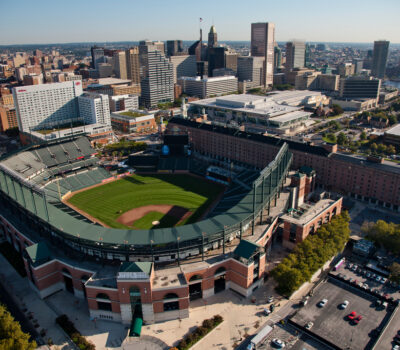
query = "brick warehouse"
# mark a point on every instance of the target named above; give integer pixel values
(377, 183)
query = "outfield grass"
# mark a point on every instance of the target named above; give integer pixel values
(107, 202)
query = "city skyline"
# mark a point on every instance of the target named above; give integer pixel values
(80, 21)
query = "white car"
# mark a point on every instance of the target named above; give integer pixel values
(309, 325)
(383, 280)
(323, 302)
(344, 304)
(270, 299)
(278, 343)
(267, 311)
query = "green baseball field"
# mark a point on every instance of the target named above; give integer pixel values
(148, 201)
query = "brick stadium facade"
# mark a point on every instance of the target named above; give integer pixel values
(349, 175)
(116, 278)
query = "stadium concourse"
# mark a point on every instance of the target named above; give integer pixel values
(152, 275)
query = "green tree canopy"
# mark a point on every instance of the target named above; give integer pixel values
(11, 335)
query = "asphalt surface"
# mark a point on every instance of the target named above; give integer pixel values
(331, 323)
(18, 315)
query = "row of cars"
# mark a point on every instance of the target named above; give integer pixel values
(368, 274)
(353, 317)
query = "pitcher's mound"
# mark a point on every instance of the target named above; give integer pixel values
(129, 217)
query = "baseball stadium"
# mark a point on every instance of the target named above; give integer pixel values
(140, 245)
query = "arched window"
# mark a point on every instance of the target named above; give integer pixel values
(170, 296)
(334, 211)
(195, 278)
(220, 270)
(171, 305)
(102, 296)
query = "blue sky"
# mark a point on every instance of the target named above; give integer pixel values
(44, 21)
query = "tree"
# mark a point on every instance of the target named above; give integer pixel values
(391, 150)
(363, 136)
(11, 335)
(395, 272)
(381, 148)
(392, 119)
(374, 147)
(337, 109)
(342, 139)
(331, 137)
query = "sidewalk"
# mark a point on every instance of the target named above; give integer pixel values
(27, 298)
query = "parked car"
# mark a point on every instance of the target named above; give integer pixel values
(368, 274)
(309, 325)
(352, 315)
(270, 299)
(323, 302)
(304, 301)
(344, 304)
(378, 278)
(267, 311)
(383, 280)
(278, 343)
(357, 319)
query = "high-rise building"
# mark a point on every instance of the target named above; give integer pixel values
(156, 76)
(94, 108)
(183, 66)
(231, 59)
(160, 46)
(277, 58)
(120, 65)
(379, 59)
(8, 118)
(345, 69)
(208, 87)
(250, 69)
(132, 65)
(97, 56)
(212, 37)
(295, 55)
(359, 87)
(195, 48)
(262, 45)
(174, 47)
(47, 105)
(216, 59)
(358, 65)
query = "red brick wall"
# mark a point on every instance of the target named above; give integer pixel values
(335, 174)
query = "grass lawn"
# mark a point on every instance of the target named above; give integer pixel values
(106, 203)
(165, 220)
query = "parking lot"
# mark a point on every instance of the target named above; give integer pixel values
(331, 323)
(293, 339)
(358, 274)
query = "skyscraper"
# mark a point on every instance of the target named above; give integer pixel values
(97, 56)
(174, 47)
(216, 59)
(379, 59)
(212, 37)
(277, 58)
(94, 108)
(156, 76)
(132, 65)
(262, 45)
(120, 65)
(47, 105)
(295, 55)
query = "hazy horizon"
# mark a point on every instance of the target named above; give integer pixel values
(47, 22)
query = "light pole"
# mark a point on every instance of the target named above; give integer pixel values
(152, 251)
(177, 240)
